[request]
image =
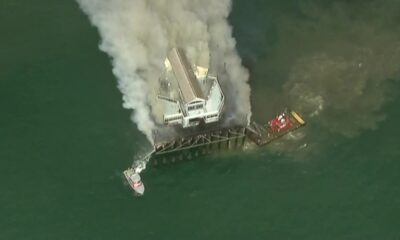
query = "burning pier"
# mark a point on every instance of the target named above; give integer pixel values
(226, 139)
(217, 140)
(192, 99)
(199, 144)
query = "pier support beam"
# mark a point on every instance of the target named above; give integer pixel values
(189, 147)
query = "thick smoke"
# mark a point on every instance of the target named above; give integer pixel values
(138, 34)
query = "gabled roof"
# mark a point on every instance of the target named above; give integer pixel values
(187, 81)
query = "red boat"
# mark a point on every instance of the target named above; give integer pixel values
(280, 125)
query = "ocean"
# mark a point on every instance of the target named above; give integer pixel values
(65, 138)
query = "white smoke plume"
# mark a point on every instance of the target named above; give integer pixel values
(137, 34)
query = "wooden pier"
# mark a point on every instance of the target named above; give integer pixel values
(217, 140)
(224, 139)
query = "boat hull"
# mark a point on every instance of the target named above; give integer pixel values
(264, 134)
(134, 181)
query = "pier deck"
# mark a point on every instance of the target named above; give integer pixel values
(220, 139)
(200, 144)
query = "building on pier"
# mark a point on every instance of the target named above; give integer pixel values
(188, 94)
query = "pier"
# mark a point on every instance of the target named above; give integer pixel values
(221, 140)
(213, 140)
(224, 139)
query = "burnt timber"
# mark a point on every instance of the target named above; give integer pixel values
(224, 139)
(199, 144)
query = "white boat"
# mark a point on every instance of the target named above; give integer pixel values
(133, 178)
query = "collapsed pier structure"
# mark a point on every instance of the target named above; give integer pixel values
(200, 144)
(224, 139)
(193, 99)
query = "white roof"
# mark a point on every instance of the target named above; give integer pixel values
(187, 81)
(215, 98)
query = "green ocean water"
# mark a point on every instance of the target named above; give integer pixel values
(65, 138)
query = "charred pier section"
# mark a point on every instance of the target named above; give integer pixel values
(224, 139)
(189, 147)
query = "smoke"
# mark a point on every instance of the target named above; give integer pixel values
(335, 63)
(345, 79)
(137, 34)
